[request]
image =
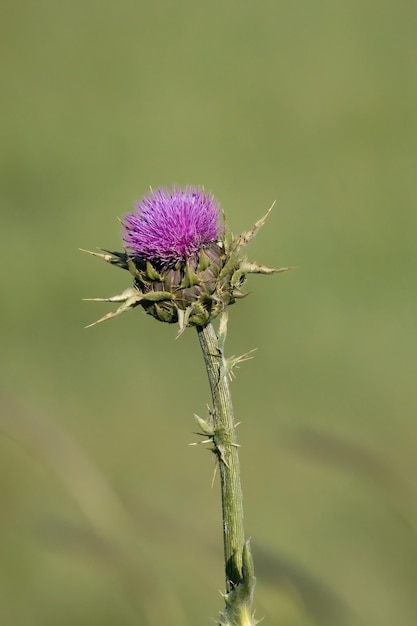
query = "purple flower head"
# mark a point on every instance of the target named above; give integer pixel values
(170, 226)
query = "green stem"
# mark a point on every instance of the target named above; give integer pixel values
(240, 580)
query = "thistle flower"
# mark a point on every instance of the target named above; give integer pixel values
(186, 267)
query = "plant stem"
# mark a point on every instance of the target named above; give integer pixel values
(240, 580)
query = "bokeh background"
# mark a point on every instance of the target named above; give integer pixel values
(106, 515)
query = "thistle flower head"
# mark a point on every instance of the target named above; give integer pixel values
(170, 226)
(186, 269)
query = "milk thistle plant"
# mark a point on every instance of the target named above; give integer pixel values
(187, 268)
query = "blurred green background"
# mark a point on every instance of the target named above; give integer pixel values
(106, 515)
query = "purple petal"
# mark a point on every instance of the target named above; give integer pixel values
(169, 226)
